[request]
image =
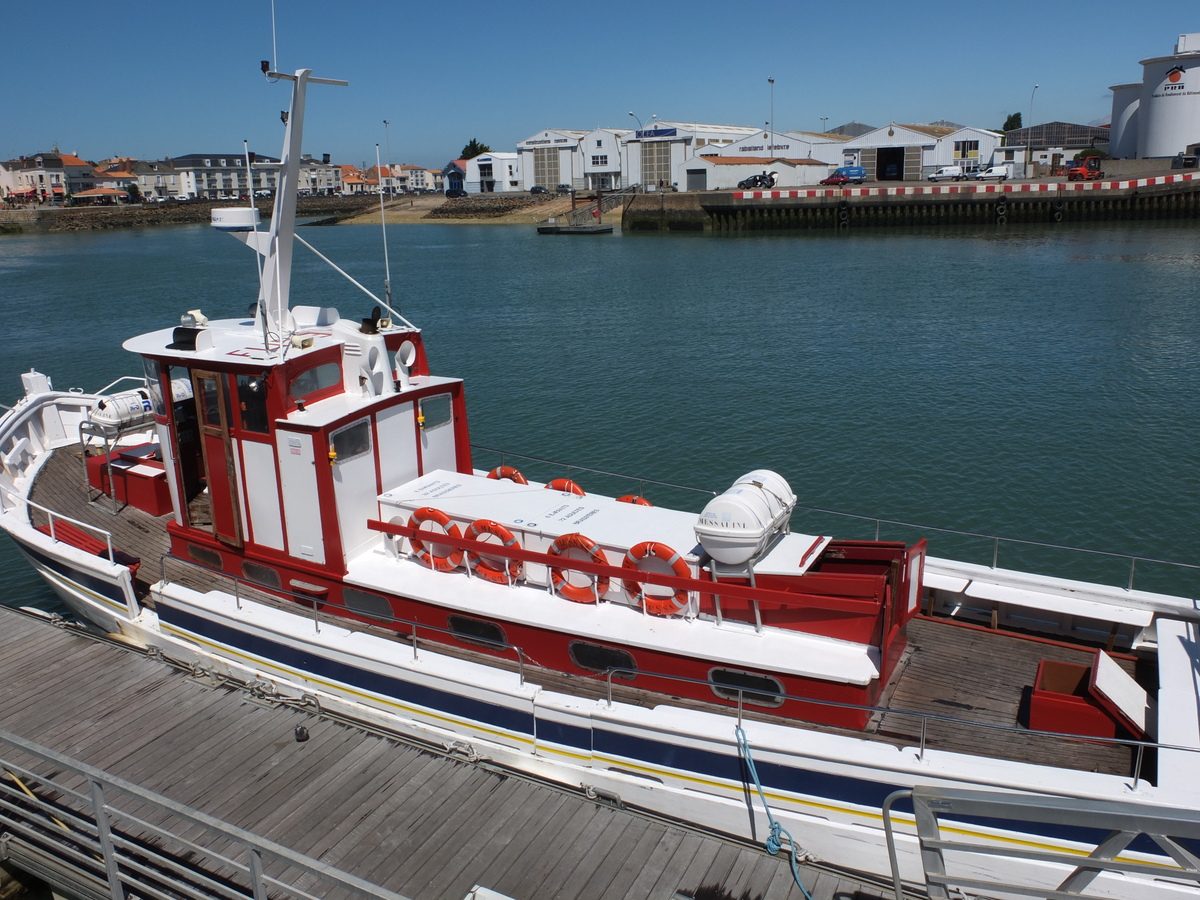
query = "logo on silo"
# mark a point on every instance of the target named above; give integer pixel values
(1174, 80)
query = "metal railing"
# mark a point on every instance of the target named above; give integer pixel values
(878, 522)
(1117, 823)
(53, 517)
(407, 628)
(1138, 747)
(93, 834)
(312, 604)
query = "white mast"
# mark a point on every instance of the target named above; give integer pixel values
(277, 275)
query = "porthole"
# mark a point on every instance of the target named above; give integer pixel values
(260, 574)
(758, 690)
(204, 556)
(372, 606)
(478, 632)
(598, 658)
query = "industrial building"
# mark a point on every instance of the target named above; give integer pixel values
(1160, 115)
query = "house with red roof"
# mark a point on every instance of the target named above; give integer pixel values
(46, 176)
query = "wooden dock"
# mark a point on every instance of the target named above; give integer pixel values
(418, 823)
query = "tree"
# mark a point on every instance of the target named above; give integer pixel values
(135, 194)
(473, 149)
(1012, 123)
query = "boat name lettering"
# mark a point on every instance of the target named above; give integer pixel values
(438, 488)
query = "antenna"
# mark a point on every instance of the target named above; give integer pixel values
(274, 48)
(387, 271)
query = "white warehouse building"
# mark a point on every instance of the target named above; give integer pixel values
(1160, 116)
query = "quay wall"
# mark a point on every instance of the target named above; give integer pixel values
(963, 203)
(43, 219)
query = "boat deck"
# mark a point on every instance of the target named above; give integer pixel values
(959, 676)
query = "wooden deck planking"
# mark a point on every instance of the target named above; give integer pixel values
(596, 862)
(449, 874)
(621, 857)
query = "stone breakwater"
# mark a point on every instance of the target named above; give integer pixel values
(489, 207)
(95, 218)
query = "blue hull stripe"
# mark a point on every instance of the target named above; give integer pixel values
(84, 579)
(835, 789)
(494, 714)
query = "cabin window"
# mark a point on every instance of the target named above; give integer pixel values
(436, 411)
(260, 574)
(252, 403)
(598, 658)
(317, 380)
(209, 400)
(352, 441)
(370, 605)
(478, 632)
(204, 556)
(153, 371)
(755, 689)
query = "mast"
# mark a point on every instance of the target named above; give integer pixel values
(277, 274)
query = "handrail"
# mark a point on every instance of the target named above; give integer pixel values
(996, 540)
(571, 467)
(52, 516)
(924, 718)
(141, 379)
(1117, 824)
(609, 674)
(303, 599)
(101, 844)
(751, 593)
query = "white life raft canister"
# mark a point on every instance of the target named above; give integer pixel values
(737, 525)
(131, 409)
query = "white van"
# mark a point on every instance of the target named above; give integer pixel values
(948, 173)
(1000, 173)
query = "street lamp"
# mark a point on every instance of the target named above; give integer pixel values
(1028, 131)
(824, 119)
(388, 142)
(771, 82)
(639, 121)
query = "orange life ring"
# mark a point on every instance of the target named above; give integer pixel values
(485, 567)
(635, 500)
(657, 606)
(509, 473)
(446, 563)
(566, 485)
(564, 588)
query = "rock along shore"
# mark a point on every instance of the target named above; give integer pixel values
(433, 208)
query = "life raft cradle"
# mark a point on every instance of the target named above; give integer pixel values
(746, 592)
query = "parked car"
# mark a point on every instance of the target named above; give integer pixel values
(565, 189)
(846, 175)
(1000, 173)
(765, 181)
(455, 192)
(948, 173)
(539, 189)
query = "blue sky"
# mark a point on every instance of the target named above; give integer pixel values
(442, 75)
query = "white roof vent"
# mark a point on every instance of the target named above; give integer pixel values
(737, 525)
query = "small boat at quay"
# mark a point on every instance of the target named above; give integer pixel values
(289, 499)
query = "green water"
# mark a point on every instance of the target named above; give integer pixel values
(1035, 383)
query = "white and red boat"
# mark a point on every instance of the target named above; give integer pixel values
(291, 500)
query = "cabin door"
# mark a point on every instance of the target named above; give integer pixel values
(212, 405)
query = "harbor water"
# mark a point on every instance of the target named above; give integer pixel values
(1036, 383)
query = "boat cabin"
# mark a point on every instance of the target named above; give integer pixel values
(276, 455)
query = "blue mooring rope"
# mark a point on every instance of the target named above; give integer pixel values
(774, 843)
